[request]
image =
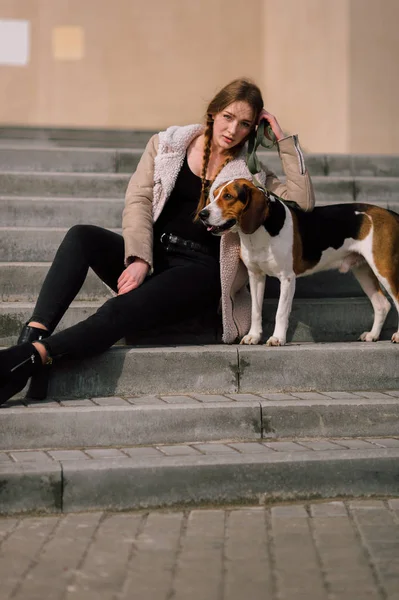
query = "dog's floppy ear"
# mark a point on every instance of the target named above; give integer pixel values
(254, 213)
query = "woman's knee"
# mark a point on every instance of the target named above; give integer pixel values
(82, 238)
(80, 232)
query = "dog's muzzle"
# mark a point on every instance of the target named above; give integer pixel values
(215, 229)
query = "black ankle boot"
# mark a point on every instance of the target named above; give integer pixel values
(17, 364)
(39, 383)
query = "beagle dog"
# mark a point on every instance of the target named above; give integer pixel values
(287, 243)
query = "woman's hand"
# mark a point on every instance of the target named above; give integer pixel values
(133, 276)
(272, 121)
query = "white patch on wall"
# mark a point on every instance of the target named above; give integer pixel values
(14, 42)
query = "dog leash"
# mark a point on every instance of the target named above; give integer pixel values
(254, 166)
(258, 138)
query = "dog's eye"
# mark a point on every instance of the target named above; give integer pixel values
(228, 196)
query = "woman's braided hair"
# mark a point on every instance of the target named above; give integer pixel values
(239, 90)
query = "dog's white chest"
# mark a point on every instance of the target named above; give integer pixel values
(259, 259)
(263, 253)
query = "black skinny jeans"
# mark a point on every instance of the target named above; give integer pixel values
(182, 285)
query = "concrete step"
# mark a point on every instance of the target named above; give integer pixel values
(49, 159)
(339, 165)
(354, 165)
(46, 155)
(382, 191)
(13, 315)
(32, 228)
(69, 160)
(193, 417)
(218, 473)
(224, 369)
(28, 244)
(312, 320)
(113, 185)
(41, 158)
(44, 184)
(21, 211)
(327, 320)
(60, 212)
(21, 282)
(60, 136)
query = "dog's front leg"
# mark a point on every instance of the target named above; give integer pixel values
(257, 287)
(287, 291)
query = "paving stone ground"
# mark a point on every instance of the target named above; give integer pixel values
(197, 449)
(323, 551)
(196, 399)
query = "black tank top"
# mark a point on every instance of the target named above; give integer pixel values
(177, 216)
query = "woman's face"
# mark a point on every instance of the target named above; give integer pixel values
(232, 125)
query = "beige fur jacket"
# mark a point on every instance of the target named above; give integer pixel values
(152, 183)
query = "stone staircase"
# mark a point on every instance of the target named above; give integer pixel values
(181, 389)
(45, 189)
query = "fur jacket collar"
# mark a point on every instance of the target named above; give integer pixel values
(173, 144)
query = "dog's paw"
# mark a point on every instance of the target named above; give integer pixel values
(273, 341)
(395, 338)
(367, 337)
(250, 339)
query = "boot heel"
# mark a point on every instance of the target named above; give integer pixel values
(39, 383)
(17, 365)
(8, 390)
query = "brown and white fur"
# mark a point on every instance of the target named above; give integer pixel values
(287, 243)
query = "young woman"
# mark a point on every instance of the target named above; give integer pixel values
(165, 267)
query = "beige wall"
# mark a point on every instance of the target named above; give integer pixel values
(328, 68)
(306, 70)
(146, 64)
(374, 56)
(331, 72)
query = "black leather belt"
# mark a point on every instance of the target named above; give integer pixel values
(170, 241)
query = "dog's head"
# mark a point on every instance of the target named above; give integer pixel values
(237, 206)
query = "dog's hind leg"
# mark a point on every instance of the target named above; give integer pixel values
(395, 336)
(394, 293)
(391, 283)
(381, 305)
(385, 263)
